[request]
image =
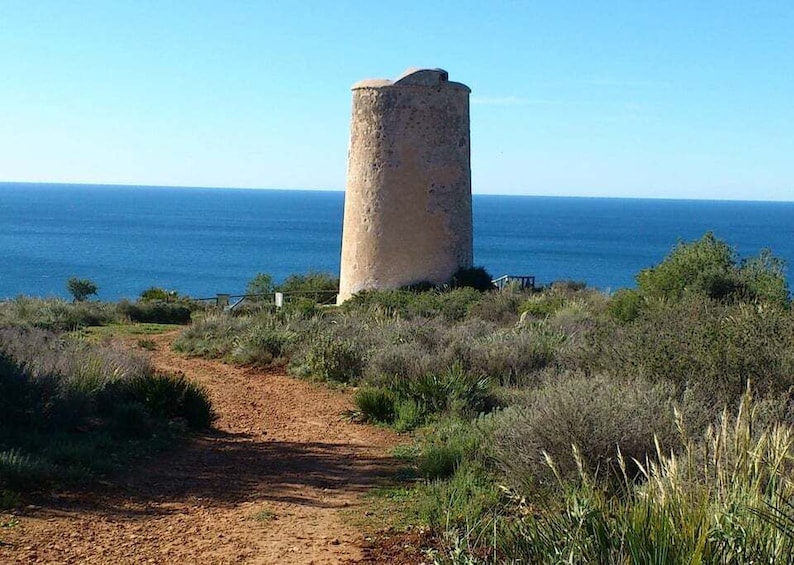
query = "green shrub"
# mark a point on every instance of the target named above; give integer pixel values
(156, 311)
(514, 357)
(444, 446)
(68, 408)
(468, 501)
(261, 284)
(625, 305)
(452, 391)
(542, 305)
(729, 507)
(54, 314)
(131, 420)
(158, 294)
(702, 346)
(264, 343)
(709, 267)
(408, 415)
(451, 305)
(334, 360)
(376, 404)
(501, 307)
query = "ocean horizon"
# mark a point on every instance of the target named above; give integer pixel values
(202, 241)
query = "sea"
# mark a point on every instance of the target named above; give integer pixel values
(205, 241)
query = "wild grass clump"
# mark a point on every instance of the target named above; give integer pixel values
(375, 404)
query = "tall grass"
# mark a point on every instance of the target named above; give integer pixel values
(724, 498)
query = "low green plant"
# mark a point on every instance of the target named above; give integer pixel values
(264, 343)
(261, 285)
(22, 471)
(625, 305)
(264, 516)
(452, 391)
(157, 294)
(375, 404)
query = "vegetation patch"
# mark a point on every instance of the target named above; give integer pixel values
(73, 410)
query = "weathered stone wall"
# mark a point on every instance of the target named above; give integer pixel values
(408, 196)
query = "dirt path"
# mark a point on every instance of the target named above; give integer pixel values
(277, 483)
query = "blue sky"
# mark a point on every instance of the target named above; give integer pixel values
(645, 99)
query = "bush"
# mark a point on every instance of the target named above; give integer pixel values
(334, 360)
(446, 445)
(156, 311)
(709, 267)
(261, 285)
(595, 414)
(264, 343)
(452, 391)
(625, 305)
(54, 314)
(704, 347)
(68, 408)
(212, 335)
(515, 357)
(161, 295)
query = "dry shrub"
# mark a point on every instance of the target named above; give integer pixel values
(515, 357)
(596, 414)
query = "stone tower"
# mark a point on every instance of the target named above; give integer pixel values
(408, 195)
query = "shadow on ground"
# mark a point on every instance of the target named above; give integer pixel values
(221, 469)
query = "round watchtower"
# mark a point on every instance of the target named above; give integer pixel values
(408, 195)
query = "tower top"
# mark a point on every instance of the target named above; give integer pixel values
(414, 77)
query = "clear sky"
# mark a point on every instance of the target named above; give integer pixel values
(678, 99)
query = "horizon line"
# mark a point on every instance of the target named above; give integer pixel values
(342, 190)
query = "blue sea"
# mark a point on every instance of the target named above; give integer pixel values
(203, 241)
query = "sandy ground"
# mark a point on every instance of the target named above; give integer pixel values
(278, 481)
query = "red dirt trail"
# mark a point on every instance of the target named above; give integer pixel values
(277, 481)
